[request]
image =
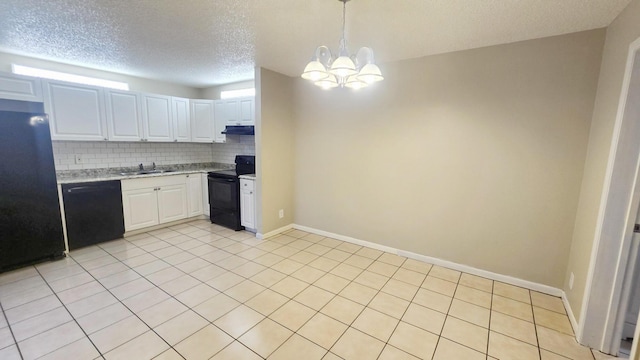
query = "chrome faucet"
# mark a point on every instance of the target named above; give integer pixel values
(140, 167)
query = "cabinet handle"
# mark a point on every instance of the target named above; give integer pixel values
(250, 192)
(187, 175)
(175, 140)
(105, 139)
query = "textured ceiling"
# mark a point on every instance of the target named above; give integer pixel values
(208, 42)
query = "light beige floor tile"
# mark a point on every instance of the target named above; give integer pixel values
(389, 305)
(448, 350)
(331, 283)
(346, 271)
(178, 258)
(117, 334)
(287, 266)
(348, 247)
(31, 309)
(118, 279)
(323, 330)
(169, 355)
(308, 274)
(289, 286)
(358, 261)
(552, 320)
(424, 318)
(80, 292)
(104, 317)
(249, 269)
(400, 289)
(292, 315)
(514, 327)
(318, 249)
(231, 262)
(548, 355)
(159, 313)
(193, 265)
(445, 274)
(252, 253)
(268, 277)
(369, 253)
(383, 268)
(392, 259)
(562, 344)
(314, 238)
(215, 307)
(512, 307)
(139, 260)
(152, 267)
(416, 265)
(342, 309)
(504, 347)
(303, 257)
(204, 343)
(314, 297)
(358, 293)
(392, 353)
(297, 233)
(145, 346)
(331, 356)
(132, 288)
(6, 338)
(267, 302)
(81, 349)
(357, 345)
(285, 251)
(236, 351)
(197, 295)
(179, 284)
(296, 347)
(225, 281)
(48, 341)
(376, 324)
(23, 297)
(438, 285)
(324, 264)
(476, 282)
(245, 290)
(28, 283)
(409, 276)
(265, 337)
(414, 340)
(180, 327)
(237, 321)
(466, 334)
(469, 312)
(145, 299)
(512, 292)
(332, 243)
(547, 302)
(164, 276)
(433, 300)
(91, 304)
(371, 280)
(474, 296)
(70, 282)
(27, 272)
(209, 272)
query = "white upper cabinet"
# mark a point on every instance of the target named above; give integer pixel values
(76, 112)
(124, 115)
(181, 119)
(202, 123)
(222, 112)
(17, 87)
(234, 112)
(157, 118)
(246, 112)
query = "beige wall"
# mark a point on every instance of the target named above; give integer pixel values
(624, 30)
(135, 83)
(274, 149)
(475, 157)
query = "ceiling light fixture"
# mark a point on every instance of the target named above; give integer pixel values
(355, 71)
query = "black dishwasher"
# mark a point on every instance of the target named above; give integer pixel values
(93, 212)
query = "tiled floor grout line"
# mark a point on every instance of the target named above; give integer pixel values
(15, 342)
(493, 284)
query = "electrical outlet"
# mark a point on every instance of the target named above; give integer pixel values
(571, 281)
(78, 159)
(281, 213)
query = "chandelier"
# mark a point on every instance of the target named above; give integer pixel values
(353, 71)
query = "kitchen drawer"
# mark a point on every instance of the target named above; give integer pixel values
(247, 185)
(153, 181)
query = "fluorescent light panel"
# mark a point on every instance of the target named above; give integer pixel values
(78, 79)
(229, 94)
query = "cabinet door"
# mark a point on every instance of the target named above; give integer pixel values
(140, 208)
(247, 204)
(157, 117)
(229, 111)
(181, 119)
(76, 112)
(124, 115)
(205, 194)
(220, 121)
(172, 203)
(246, 111)
(24, 88)
(194, 188)
(202, 120)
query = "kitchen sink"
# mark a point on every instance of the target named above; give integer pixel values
(145, 172)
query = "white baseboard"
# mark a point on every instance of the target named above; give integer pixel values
(572, 317)
(274, 232)
(444, 263)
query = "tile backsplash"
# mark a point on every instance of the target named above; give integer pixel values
(94, 155)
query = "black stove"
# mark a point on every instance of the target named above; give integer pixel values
(224, 192)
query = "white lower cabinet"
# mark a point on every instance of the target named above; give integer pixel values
(194, 188)
(155, 200)
(247, 203)
(205, 194)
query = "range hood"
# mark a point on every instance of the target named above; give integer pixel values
(239, 130)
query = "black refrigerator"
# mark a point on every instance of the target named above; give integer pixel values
(30, 221)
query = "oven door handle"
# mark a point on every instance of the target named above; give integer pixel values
(221, 180)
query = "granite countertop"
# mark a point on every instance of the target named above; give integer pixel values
(248, 176)
(104, 174)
